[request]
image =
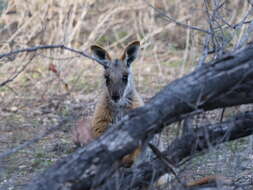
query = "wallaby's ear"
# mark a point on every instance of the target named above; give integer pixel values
(131, 52)
(100, 53)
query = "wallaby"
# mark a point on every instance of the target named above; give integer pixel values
(118, 94)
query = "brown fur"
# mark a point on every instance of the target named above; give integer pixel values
(81, 133)
(105, 112)
(117, 98)
(209, 180)
(103, 117)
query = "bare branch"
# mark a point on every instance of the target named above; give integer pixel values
(16, 74)
(167, 17)
(166, 162)
(36, 48)
(92, 165)
(245, 36)
(187, 146)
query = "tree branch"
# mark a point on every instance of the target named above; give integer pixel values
(188, 145)
(36, 48)
(169, 18)
(224, 82)
(13, 77)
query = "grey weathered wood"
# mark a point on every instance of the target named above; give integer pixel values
(225, 82)
(186, 146)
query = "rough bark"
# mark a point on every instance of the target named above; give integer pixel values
(221, 83)
(182, 148)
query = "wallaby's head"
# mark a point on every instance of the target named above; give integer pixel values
(117, 72)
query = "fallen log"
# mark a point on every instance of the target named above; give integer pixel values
(188, 145)
(220, 83)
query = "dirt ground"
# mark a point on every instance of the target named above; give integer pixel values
(53, 87)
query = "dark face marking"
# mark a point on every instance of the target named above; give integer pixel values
(117, 62)
(116, 79)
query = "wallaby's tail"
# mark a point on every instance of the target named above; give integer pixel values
(209, 181)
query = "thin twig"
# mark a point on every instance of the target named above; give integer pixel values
(222, 114)
(36, 48)
(16, 74)
(164, 15)
(247, 34)
(166, 161)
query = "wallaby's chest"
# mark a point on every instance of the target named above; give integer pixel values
(118, 110)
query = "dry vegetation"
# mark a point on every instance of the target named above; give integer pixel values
(39, 98)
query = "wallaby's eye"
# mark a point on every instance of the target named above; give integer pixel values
(125, 78)
(107, 80)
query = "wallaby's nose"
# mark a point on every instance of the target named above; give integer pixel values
(115, 97)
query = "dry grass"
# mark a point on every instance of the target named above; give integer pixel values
(37, 98)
